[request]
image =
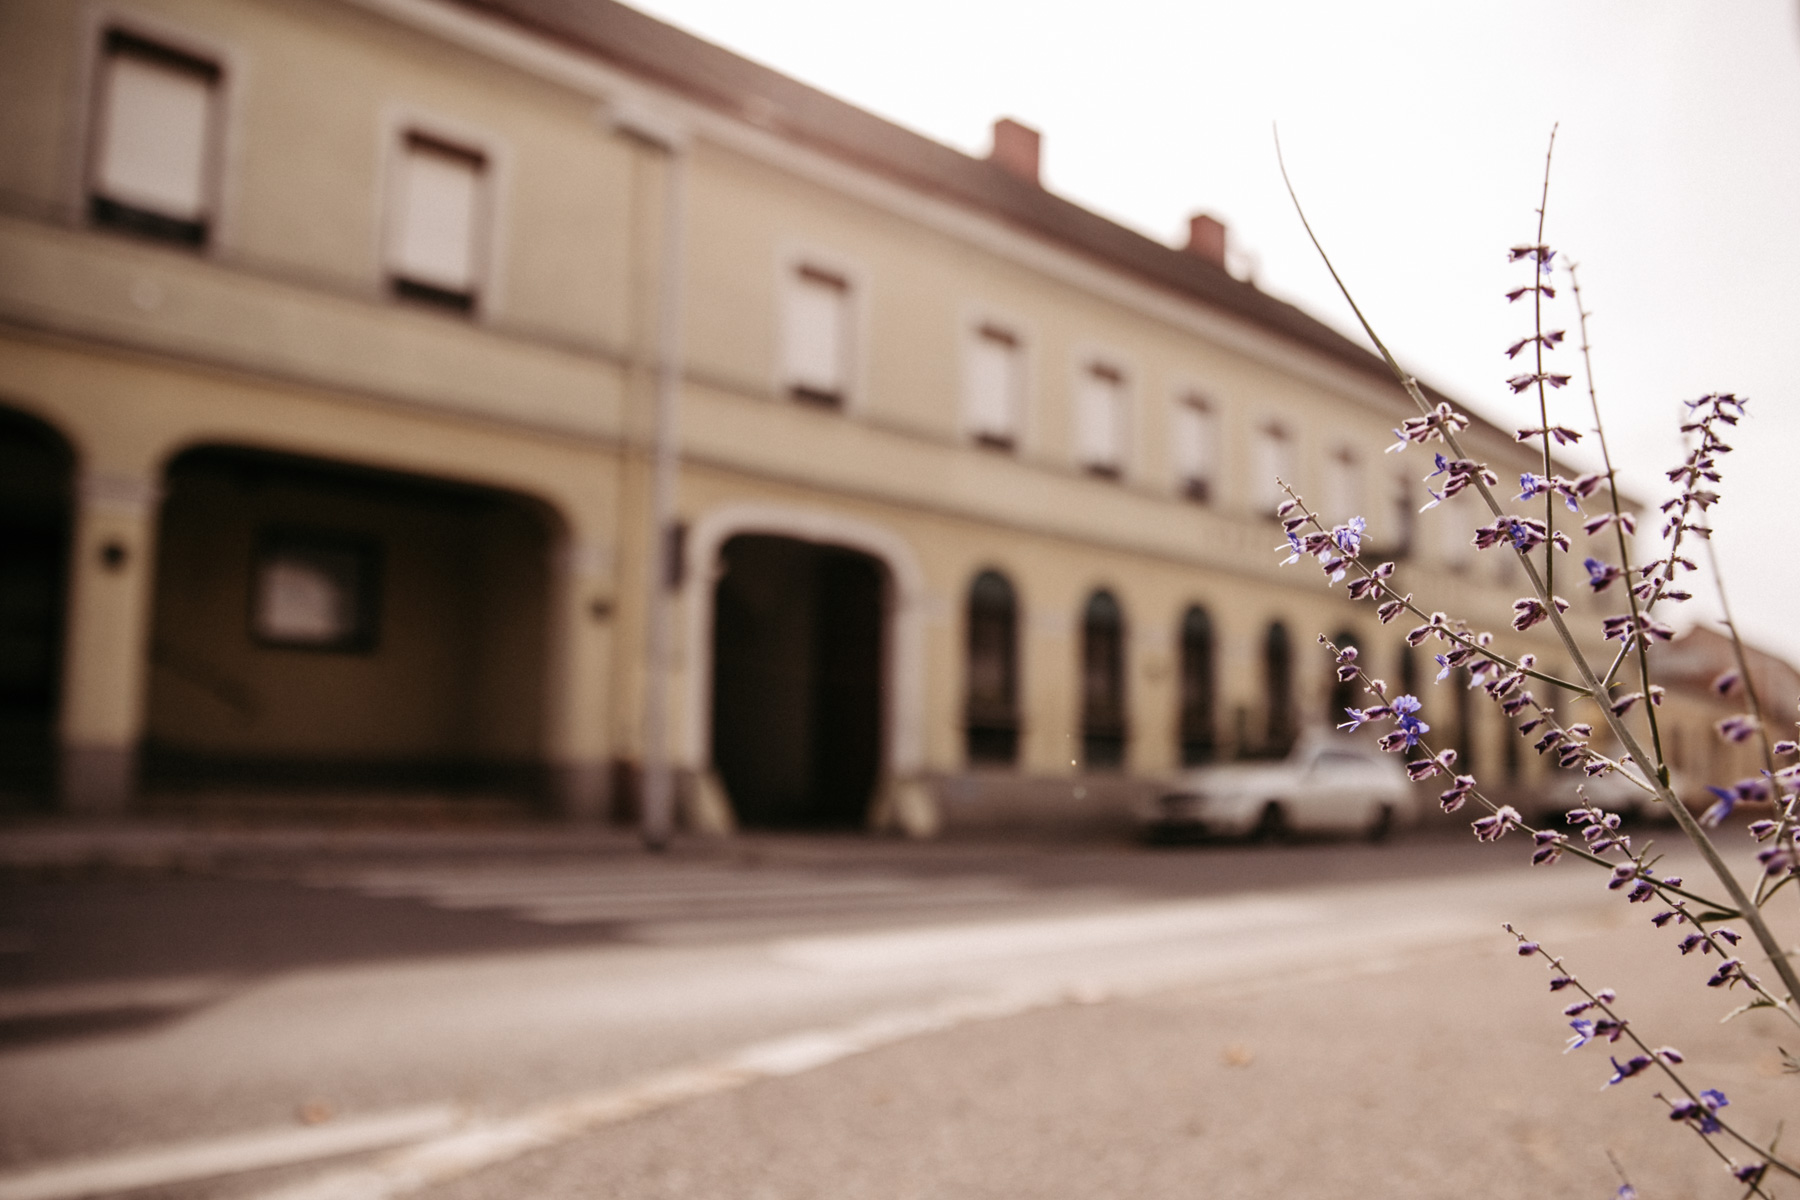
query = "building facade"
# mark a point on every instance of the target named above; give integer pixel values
(330, 339)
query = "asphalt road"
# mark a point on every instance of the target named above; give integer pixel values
(476, 1016)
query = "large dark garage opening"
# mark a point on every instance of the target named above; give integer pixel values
(797, 682)
(335, 630)
(36, 466)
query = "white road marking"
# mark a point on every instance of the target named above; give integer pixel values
(489, 1142)
(188, 1161)
(990, 941)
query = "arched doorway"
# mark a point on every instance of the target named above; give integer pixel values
(323, 627)
(797, 657)
(36, 469)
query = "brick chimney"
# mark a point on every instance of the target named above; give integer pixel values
(1206, 238)
(1016, 149)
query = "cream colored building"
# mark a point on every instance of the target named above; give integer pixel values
(329, 336)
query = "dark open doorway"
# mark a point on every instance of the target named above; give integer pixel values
(797, 682)
(35, 470)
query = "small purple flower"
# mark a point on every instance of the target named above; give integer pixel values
(1527, 949)
(1631, 1066)
(1600, 574)
(1584, 1033)
(1406, 718)
(1737, 729)
(1727, 800)
(1297, 550)
(1493, 827)
(1358, 718)
(1349, 536)
(1728, 972)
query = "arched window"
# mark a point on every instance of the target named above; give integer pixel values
(1465, 721)
(1279, 727)
(991, 712)
(1102, 683)
(1344, 693)
(1409, 671)
(1198, 738)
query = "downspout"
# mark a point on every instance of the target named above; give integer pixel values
(657, 811)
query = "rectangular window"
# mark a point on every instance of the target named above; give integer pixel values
(1405, 505)
(314, 592)
(816, 331)
(1273, 460)
(1100, 420)
(434, 237)
(154, 141)
(996, 387)
(1196, 447)
(1343, 497)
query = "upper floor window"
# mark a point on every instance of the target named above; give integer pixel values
(996, 386)
(1196, 447)
(1343, 496)
(1271, 465)
(816, 336)
(1100, 420)
(155, 138)
(436, 222)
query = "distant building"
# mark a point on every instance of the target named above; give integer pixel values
(328, 351)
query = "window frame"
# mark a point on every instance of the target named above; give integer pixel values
(1203, 487)
(109, 35)
(794, 261)
(1276, 434)
(364, 637)
(992, 726)
(400, 133)
(976, 332)
(1113, 371)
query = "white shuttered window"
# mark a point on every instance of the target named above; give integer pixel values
(816, 336)
(1343, 497)
(154, 138)
(1273, 459)
(1196, 447)
(1100, 420)
(435, 239)
(996, 386)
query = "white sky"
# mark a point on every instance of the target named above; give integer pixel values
(1415, 133)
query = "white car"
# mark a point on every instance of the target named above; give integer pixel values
(1329, 784)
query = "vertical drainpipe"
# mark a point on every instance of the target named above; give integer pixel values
(668, 139)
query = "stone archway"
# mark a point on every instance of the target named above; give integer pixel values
(838, 544)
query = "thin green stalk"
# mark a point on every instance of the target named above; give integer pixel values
(1765, 937)
(1612, 487)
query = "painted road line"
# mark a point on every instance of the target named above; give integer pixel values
(988, 941)
(189, 1161)
(486, 1143)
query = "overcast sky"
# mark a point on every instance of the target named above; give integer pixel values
(1415, 133)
